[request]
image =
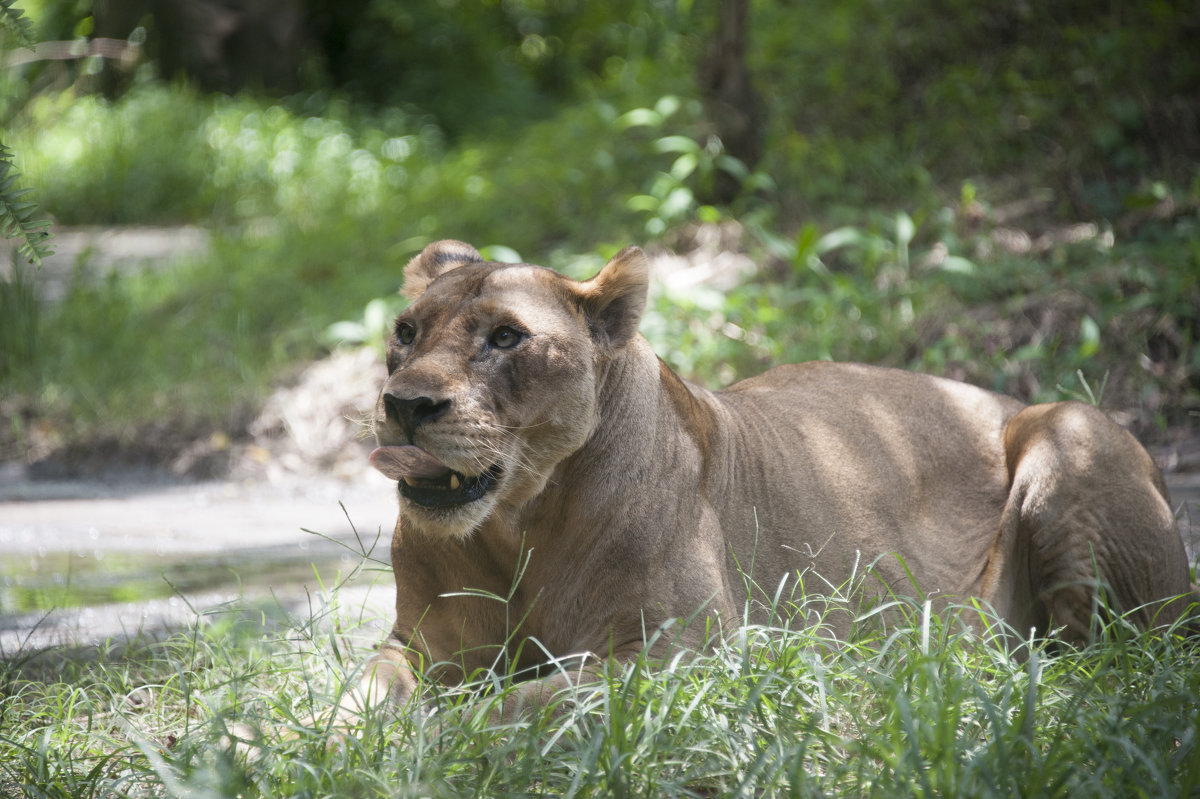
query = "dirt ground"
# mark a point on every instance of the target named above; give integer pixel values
(257, 543)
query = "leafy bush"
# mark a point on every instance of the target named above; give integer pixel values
(942, 297)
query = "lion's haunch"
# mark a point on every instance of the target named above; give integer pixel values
(407, 461)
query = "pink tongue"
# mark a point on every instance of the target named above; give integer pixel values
(407, 461)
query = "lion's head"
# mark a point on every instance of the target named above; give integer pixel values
(492, 379)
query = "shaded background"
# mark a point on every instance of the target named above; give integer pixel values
(1007, 194)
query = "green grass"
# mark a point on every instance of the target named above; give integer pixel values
(915, 706)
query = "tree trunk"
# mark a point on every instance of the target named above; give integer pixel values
(732, 106)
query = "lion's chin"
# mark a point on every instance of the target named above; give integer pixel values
(447, 521)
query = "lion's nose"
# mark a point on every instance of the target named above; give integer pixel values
(411, 412)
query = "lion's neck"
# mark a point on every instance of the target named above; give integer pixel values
(628, 404)
(626, 425)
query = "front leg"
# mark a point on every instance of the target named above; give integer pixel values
(387, 677)
(571, 675)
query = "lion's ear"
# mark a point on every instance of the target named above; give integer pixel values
(614, 299)
(436, 259)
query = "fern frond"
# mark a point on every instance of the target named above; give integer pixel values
(17, 213)
(14, 21)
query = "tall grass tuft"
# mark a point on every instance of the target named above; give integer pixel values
(915, 705)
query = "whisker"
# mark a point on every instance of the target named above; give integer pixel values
(364, 423)
(499, 426)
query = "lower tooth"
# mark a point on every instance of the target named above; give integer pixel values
(411, 483)
(454, 482)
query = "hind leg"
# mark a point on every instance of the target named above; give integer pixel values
(1089, 525)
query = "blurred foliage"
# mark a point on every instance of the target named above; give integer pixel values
(19, 332)
(1037, 326)
(1007, 195)
(473, 61)
(877, 100)
(673, 196)
(466, 63)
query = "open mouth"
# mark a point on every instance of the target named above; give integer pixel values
(453, 489)
(427, 482)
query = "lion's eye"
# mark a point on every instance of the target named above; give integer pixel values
(505, 337)
(405, 333)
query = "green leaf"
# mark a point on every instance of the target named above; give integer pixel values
(677, 203)
(346, 332)
(377, 314)
(842, 237)
(733, 166)
(676, 144)
(639, 117)
(957, 264)
(905, 229)
(684, 166)
(14, 20)
(501, 254)
(667, 105)
(642, 202)
(807, 243)
(1089, 337)
(16, 215)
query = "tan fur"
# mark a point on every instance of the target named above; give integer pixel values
(630, 497)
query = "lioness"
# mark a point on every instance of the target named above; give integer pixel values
(544, 454)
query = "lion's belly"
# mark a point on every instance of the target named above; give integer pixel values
(835, 467)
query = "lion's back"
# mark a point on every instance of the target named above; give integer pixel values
(843, 459)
